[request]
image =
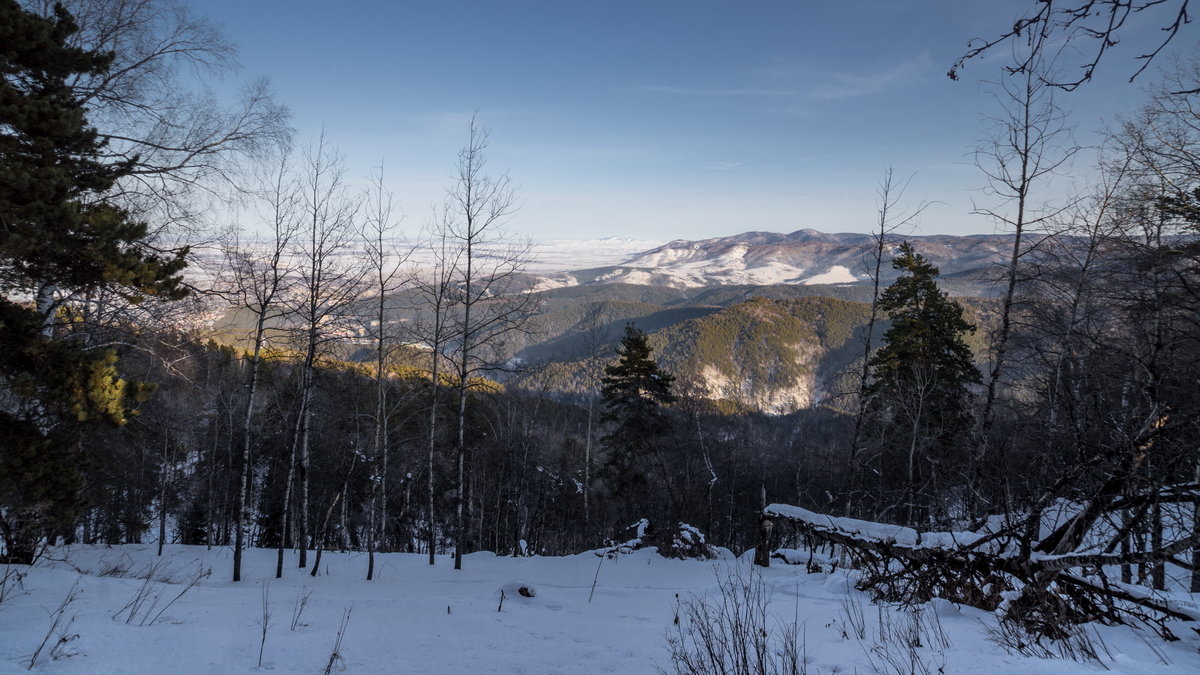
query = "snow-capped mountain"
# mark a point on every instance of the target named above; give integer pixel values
(767, 258)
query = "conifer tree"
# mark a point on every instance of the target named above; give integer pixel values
(633, 393)
(920, 394)
(58, 239)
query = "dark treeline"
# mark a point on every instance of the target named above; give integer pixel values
(177, 462)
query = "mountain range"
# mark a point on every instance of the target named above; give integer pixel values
(759, 321)
(803, 257)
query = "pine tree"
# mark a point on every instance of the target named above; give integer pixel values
(920, 393)
(58, 240)
(633, 393)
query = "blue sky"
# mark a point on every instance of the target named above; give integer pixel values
(656, 119)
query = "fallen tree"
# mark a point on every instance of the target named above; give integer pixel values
(1042, 584)
(1058, 563)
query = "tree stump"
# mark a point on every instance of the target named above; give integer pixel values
(762, 551)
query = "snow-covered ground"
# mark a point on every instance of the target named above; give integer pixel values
(419, 619)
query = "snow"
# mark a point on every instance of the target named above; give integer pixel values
(675, 268)
(641, 526)
(882, 532)
(692, 264)
(878, 531)
(834, 275)
(557, 281)
(422, 619)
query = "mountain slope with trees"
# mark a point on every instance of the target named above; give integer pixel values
(764, 354)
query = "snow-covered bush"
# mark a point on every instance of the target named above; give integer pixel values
(613, 548)
(685, 543)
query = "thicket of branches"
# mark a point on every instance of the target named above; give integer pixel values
(1075, 497)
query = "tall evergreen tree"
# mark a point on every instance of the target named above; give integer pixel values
(920, 393)
(633, 393)
(58, 240)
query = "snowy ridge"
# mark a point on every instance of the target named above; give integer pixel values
(804, 257)
(767, 258)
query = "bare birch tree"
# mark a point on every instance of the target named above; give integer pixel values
(594, 340)
(1031, 140)
(259, 274)
(182, 139)
(385, 262)
(491, 305)
(183, 144)
(436, 297)
(327, 283)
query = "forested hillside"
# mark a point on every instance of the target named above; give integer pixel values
(764, 355)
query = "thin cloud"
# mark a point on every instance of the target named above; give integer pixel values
(689, 91)
(813, 85)
(850, 85)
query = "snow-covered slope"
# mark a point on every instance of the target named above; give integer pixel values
(415, 618)
(747, 259)
(768, 258)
